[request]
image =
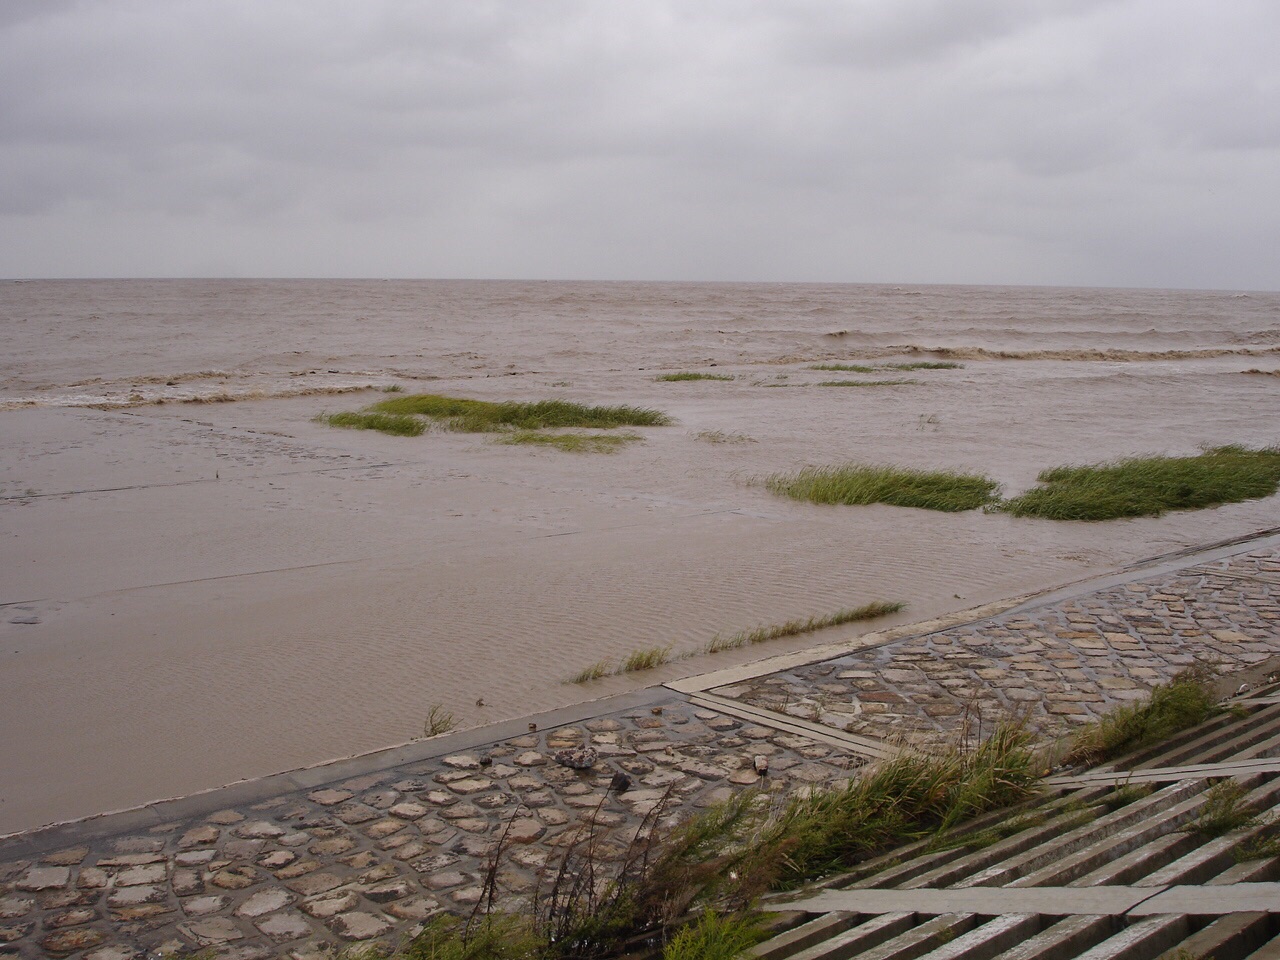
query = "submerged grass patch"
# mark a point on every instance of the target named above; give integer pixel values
(481, 416)
(686, 375)
(856, 484)
(395, 424)
(1151, 486)
(843, 367)
(792, 628)
(925, 365)
(865, 383)
(574, 442)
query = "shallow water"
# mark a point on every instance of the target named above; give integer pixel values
(192, 593)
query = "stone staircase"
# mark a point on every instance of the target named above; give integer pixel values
(1111, 864)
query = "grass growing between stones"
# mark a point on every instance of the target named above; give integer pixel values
(1184, 702)
(687, 375)
(911, 797)
(573, 442)
(856, 484)
(1151, 486)
(1224, 810)
(600, 896)
(792, 628)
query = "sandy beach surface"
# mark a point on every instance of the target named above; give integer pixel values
(196, 593)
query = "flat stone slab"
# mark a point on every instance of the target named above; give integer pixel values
(1049, 901)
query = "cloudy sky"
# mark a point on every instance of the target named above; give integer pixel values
(1094, 142)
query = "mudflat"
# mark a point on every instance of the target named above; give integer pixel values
(199, 592)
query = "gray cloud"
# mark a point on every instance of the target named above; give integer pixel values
(1057, 141)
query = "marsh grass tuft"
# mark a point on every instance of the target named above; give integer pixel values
(1184, 702)
(720, 436)
(574, 442)
(484, 416)
(865, 383)
(646, 659)
(843, 367)
(856, 484)
(925, 365)
(601, 668)
(688, 375)
(439, 720)
(393, 423)
(1151, 486)
(792, 628)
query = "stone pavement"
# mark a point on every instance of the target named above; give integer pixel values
(364, 850)
(1059, 665)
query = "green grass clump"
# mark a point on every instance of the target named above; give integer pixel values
(1224, 810)
(482, 416)
(685, 375)
(646, 659)
(843, 367)
(792, 628)
(393, 423)
(907, 798)
(925, 365)
(855, 484)
(594, 671)
(1150, 486)
(1184, 702)
(574, 442)
(865, 383)
(715, 937)
(493, 936)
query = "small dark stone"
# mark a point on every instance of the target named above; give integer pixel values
(620, 783)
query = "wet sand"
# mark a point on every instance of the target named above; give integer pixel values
(228, 590)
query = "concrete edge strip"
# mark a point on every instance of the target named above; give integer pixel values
(863, 746)
(1143, 569)
(51, 837)
(1229, 768)
(1113, 901)
(829, 651)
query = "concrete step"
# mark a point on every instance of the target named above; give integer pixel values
(1213, 727)
(1268, 951)
(1137, 864)
(990, 939)
(1071, 867)
(1144, 940)
(1230, 741)
(805, 935)
(1065, 939)
(897, 874)
(920, 940)
(1232, 937)
(1214, 856)
(865, 936)
(1009, 870)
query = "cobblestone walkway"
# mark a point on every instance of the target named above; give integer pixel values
(1060, 665)
(298, 870)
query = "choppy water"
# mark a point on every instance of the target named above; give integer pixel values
(117, 342)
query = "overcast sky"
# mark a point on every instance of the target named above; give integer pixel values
(1091, 142)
